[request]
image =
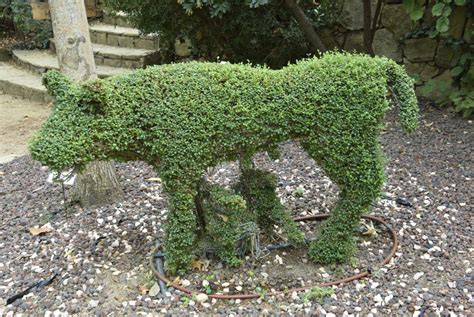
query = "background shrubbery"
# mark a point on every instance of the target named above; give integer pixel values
(258, 31)
(16, 15)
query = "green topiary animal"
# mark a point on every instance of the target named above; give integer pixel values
(183, 118)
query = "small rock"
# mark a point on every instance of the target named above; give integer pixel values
(388, 298)
(201, 298)
(154, 290)
(418, 275)
(93, 303)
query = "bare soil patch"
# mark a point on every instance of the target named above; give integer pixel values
(19, 119)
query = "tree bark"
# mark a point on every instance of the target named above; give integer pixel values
(306, 26)
(98, 184)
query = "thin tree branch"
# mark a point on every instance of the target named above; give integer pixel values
(375, 20)
(367, 27)
(306, 26)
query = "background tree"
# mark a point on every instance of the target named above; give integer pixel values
(97, 184)
(261, 31)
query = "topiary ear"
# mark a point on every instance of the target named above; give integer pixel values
(57, 83)
(92, 91)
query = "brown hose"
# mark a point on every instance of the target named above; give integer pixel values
(320, 217)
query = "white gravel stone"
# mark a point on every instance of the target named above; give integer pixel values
(93, 303)
(201, 298)
(378, 298)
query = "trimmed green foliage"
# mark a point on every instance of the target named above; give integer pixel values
(226, 216)
(258, 189)
(183, 118)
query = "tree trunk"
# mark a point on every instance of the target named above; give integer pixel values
(98, 184)
(370, 24)
(306, 26)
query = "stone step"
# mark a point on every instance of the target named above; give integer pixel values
(39, 61)
(107, 34)
(120, 56)
(20, 82)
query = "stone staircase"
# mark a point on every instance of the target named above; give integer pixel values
(117, 48)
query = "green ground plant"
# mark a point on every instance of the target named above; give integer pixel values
(318, 294)
(184, 118)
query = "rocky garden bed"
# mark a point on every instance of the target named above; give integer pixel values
(99, 257)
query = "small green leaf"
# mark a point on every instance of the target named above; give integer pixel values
(456, 71)
(409, 4)
(467, 112)
(465, 57)
(447, 11)
(460, 2)
(437, 9)
(416, 14)
(442, 25)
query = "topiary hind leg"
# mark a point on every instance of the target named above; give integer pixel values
(360, 177)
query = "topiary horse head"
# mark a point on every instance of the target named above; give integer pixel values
(183, 118)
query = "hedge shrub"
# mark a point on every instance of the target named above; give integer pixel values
(183, 118)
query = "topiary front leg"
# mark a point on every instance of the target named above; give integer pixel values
(180, 230)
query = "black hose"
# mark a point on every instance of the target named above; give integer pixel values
(159, 256)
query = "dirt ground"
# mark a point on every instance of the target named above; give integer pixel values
(19, 119)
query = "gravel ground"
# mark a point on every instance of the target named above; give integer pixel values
(101, 255)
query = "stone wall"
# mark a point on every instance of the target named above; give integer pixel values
(425, 58)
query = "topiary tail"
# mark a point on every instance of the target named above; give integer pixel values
(403, 90)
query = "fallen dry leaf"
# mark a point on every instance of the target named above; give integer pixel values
(223, 217)
(200, 265)
(177, 280)
(43, 229)
(143, 289)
